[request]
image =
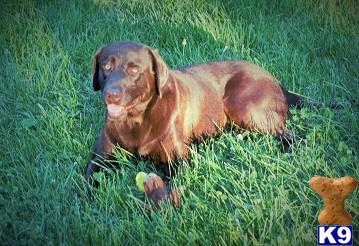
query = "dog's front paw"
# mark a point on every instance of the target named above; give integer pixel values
(157, 190)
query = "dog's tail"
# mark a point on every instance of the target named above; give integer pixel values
(299, 102)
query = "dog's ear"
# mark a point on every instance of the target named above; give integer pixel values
(96, 71)
(160, 70)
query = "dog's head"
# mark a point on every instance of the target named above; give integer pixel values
(128, 74)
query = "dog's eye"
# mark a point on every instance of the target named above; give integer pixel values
(107, 67)
(132, 70)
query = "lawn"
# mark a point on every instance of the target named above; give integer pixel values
(240, 189)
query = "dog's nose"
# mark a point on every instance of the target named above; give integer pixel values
(112, 97)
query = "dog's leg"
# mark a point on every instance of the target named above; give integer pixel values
(287, 139)
(256, 104)
(103, 150)
(91, 168)
(96, 165)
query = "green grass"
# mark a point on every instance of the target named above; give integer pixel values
(238, 192)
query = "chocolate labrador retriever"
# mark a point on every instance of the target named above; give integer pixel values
(156, 112)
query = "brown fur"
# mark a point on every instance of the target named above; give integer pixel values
(174, 107)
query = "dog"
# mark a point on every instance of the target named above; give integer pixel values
(156, 112)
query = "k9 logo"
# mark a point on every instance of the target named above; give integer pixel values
(335, 235)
